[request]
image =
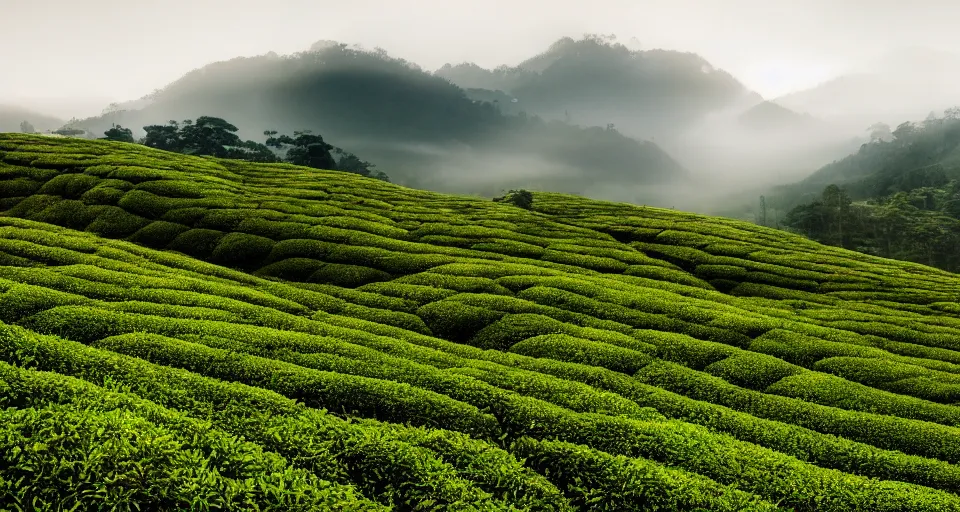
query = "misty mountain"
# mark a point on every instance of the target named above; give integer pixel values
(596, 81)
(906, 84)
(419, 128)
(767, 116)
(913, 157)
(11, 116)
(711, 123)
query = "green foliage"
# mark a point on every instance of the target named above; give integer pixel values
(199, 243)
(242, 250)
(119, 134)
(365, 346)
(519, 198)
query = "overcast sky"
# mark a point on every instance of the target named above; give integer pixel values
(99, 51)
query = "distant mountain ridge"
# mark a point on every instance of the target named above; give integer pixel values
(597, 81)
(903, 84)
(419, 128)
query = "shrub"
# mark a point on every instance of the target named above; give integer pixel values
(596, 480)
(292, 269)
(349, 276)
(189, 216)
(69, 213)
(242, 250)
(69, 186)
(456, 321)
(199, 243)
(419, 294)
(752, 370)
(102, 195)
(563, 347)
(145, 204)
(18, 187)
(158, 234)
(512, 329)
(114, 222)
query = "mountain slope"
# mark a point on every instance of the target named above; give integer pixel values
(578, 355)
(645, 93)
(390, 111)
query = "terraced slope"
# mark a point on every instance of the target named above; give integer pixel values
(227, 336)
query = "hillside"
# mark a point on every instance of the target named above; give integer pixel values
(390, 111)
(182, 332)
(594, 81)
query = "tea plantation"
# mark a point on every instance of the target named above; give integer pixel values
(183, 333)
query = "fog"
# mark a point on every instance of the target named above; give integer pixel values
(834, 67)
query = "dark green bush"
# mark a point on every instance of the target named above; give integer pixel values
(158, 234)
(199, 243)
(69, 213)
(292, 269)
(241, 250)
(114, 222)
(18, 187)
(69, 186)
(456, 321)
(349, 276)
(145, 204)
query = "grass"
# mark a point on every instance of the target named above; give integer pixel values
(188, 333)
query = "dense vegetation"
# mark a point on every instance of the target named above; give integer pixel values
(898, 197)
(182, 332)
(213, 136)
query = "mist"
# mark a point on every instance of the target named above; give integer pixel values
(683, 103)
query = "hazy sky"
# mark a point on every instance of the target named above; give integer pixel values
(99, 51)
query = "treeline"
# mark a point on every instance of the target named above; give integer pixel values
(906, 202)
(213, 136)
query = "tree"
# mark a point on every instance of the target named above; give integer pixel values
(303, 148)
(880, 132)
(905, 132)
(165, 137)
(26, 127)
(119, 134)
(519, 198)
(209, 136)
(253, 152)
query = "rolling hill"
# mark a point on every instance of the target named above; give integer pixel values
(181, 332)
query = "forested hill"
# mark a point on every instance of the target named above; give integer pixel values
(390, 110)
(184, 332)
(899, 196)
(596, 81)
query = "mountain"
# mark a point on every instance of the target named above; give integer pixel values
(898, 196)
(904, 84)
(421, 129)
(256, 335)
(595, 81)
(11, 116)
(768, 116)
